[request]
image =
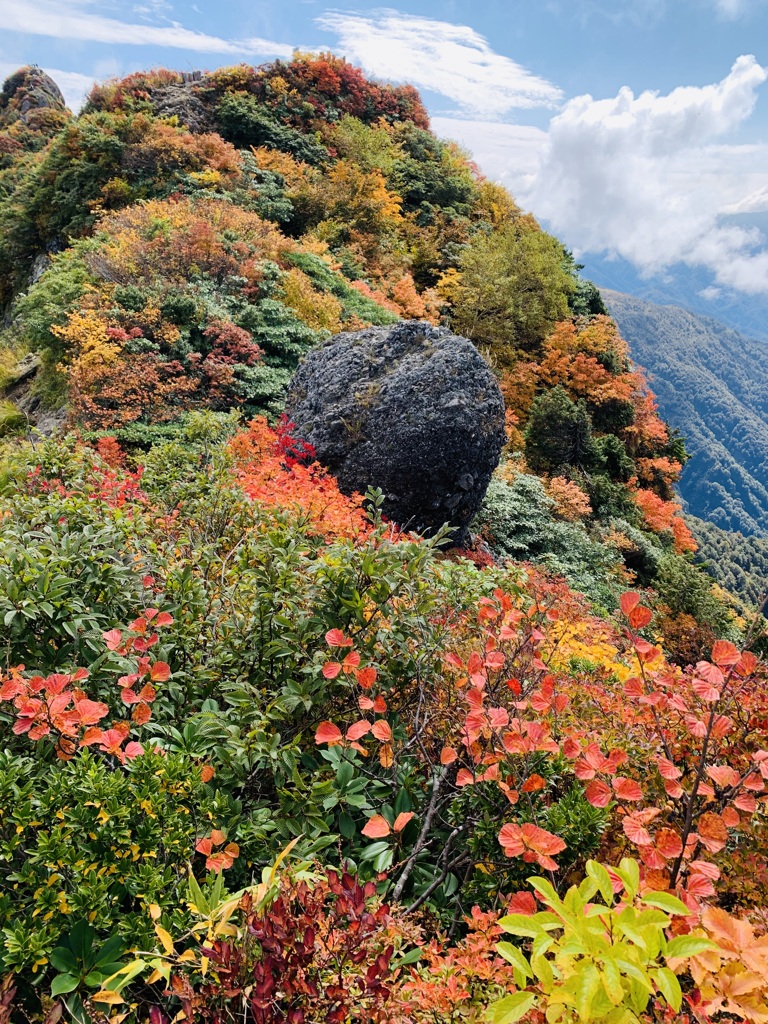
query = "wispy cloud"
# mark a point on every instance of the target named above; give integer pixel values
(441, 57)
(67, 20)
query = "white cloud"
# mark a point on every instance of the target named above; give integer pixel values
(755, 202)
(647, 178)
(452, 60)
(64, 19)
(508, 151)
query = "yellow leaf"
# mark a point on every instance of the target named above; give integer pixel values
(165, 938)
(154, 911)
(108, 996)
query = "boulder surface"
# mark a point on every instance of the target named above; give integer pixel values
(412, 409)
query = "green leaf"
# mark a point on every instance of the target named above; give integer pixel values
(629, 872)
(80, 941)
(64, 983)
(64, 960)
(510, 1008)
(599, 874)
(687, 945)
(346, 825)
(520, 924)
(665, 901)
(587, 987)
(410, 958)
(109, 951)
(200, 902)
(513, 956)
(547, 890)
(373, 851)
(669, 986)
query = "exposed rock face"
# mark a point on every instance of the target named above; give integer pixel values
(181, 102)
(412, 409)
(27, 90)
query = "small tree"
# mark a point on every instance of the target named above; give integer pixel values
(559, 432)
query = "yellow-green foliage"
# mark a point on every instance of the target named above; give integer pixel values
(596, 961)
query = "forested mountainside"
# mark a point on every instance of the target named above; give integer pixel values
(712, 386)
(691, 288)
(738, 563)
(266, 756)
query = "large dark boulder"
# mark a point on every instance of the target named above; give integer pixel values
(412, 409)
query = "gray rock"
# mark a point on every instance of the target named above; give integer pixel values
(179, 101)
(412, 409)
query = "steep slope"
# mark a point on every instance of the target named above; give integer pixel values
(712, 386)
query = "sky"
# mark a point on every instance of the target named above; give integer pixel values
(635, 130)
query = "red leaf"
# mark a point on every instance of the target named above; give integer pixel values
(351, 661)
(723, 775)
(358, 730)
(465, 777)
(635, 831)
(160, 672)
(746, 802)
(522, 903)
(329, 733)
(448, 755)
(598, 794)
(90, 711)
(335, 638)
(725, 654)
(164, 619)
(382, 731)
(700, 886)
(377, 827)
(706, 691)
(628, 601)
(331, 669)
(626, 789)
(667, 769)
(640, 617)
(113, 639)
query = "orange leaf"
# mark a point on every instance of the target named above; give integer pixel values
(382, 731)
(217, 837)
(204, 846)
(465, 778)
(725, 654)
(366, 677)
(386, 755)
(331, 669)
(207, 772)
(448, 755)
(402, 820)
(668, 843)
(713, 832)
(707, 691)
(635, 831)
(141, 714)
(164, 619)
(377, 827)
(329, 733)
(532, 784)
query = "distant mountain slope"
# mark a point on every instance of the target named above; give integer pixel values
(692, 288)
(738, 563)
(712, 385)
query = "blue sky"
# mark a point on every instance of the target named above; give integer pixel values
(631, 128)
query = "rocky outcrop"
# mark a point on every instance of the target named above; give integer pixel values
(26, 91)
(412, 409)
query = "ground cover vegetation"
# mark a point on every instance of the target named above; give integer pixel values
(266, 757)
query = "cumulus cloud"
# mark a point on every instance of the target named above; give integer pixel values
(647, 178)
(452, 60)
(64, 19)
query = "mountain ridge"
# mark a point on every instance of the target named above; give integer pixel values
(711, 383)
